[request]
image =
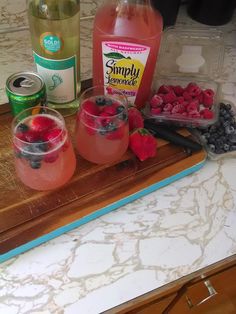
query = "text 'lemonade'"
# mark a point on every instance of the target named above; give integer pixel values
(126, 42)
(44, 157)
(102, 132)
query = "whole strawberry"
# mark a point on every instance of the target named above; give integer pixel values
(135, 119)
(143, 144)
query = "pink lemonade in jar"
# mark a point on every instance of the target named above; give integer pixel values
(44, 156)
(126, 41)
(102, 131)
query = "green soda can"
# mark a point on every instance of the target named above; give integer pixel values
(25, 90)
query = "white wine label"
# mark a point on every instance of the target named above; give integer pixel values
(59, 77)
(123, 66)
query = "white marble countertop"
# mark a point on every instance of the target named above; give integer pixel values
(146, 244)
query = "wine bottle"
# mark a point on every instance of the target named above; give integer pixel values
(55, 35)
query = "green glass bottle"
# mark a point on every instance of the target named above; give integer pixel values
(55, 35)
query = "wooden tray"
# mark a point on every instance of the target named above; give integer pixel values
(29, 218)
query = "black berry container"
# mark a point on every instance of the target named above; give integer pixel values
(219, 139)
(193, 56)
(211, 12)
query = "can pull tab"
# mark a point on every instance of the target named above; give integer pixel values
(23, 82)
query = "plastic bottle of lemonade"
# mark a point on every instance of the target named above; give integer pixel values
(126, 41)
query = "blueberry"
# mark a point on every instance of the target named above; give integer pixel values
(207, 135)
(222, 112)
(108, 101)
(232, 137)
(35, 164)
(22, 127)
(226, 123)
(212, 147)
(212, 140)
(232, 147)
(226, 147)
(100, 101)
(26, 152)
(220, 132)
(102, 131)
(39, 147)
(227, 116)
(229, 130)
(228, 106)
(32, 152)
(120, 109)
(110, 127)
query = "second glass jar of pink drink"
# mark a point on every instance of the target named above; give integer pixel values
(44, 157)
(102, 130)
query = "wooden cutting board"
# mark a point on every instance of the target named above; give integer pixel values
(29, 218)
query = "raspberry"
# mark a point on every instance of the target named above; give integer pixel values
(178, 90)
(90, 107)
(208, 96)
(135, 118)
(156, 111)
(169, 98)
(193, 106)
(187, 96)
(90, 125)
(41, 123)
(111, 109)
(168, 108)
(156, 101)
(178, 108)
(51, 157)
(31, 136)
(53, 134)
(194, 114)
(193, 89)
(105, 119)
(109, 90)
(164, 89)
(207, 114)
(200, 98)
(180, 99)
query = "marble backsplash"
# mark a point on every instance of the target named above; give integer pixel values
(13, 13)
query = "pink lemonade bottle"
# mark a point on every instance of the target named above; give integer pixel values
(126, 41)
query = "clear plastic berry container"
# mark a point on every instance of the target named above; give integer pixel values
(219, 139)
(184, 119)
(188, 56)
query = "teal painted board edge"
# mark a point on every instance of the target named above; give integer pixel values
(100, 212)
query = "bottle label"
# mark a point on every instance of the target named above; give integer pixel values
(59, 76)
(123, 66)
(51, 43)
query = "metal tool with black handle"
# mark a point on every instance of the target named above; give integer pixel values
(170, 135)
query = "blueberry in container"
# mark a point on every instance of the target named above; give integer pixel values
(194, 56)
(219, 139)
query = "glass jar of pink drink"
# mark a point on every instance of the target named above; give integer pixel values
(102, 130)
(43, 153)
